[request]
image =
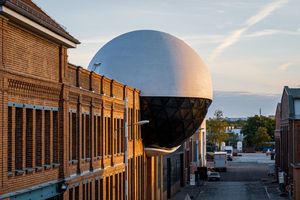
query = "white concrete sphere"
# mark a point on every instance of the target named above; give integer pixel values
(154, 62)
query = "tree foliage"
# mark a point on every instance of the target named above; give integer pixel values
(261, 136)
(216, 129)
(256, 128)
(232, 139)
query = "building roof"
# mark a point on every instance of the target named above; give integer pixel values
(30, 10)
(292, 94)
(157, 63)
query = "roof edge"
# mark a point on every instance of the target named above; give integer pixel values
(39, 21)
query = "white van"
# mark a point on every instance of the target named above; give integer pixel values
(220, 161)
(229, 150)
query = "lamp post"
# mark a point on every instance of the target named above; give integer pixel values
(126, 125)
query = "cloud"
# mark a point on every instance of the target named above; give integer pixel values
(236, 35)
(285, 66)
(203, 39)
(268, 32)
(263, 33)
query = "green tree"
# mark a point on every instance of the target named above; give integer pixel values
(232, 139)
(251, 126)
(216, 129)
(261, 136)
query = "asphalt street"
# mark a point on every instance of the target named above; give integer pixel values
(246, 179)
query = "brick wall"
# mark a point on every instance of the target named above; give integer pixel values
(53, 125)
(27, 53)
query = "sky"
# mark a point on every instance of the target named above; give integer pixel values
(250, 46)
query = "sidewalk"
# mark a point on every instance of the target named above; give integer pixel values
(272, 189)
(192, 191)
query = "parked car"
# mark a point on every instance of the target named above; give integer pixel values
(213, 176)
(229, 158)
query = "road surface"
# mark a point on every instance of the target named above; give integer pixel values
(245, 179)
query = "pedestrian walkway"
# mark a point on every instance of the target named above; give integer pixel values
(187, 192)
(272, 190)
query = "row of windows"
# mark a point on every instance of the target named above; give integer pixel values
(100, 189)
(107, 135)
(33, 140)
(112, 186)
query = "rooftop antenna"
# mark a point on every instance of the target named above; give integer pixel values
(96, 65)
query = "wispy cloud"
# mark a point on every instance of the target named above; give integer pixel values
(285, 66)
(268, 32)
(203, 39)
(236, 35)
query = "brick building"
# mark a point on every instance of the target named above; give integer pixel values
(61, 125)
(288, 140)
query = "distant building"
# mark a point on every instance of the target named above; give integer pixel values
(287, 138)
(236, 131)
(235, 119)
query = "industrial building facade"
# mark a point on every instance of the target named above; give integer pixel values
(62, 134)
(287, 140)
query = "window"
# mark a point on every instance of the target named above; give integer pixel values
(82, 136)
(47, 137)
(118, 136)
(9, 141)
(29, 138)
(115, 133)
(55, 138)
(111, 187)
(109, 136)
(71, 194)
(74, 137)
(77, 193)
(297, 107)
(116, 186)
(105, 137)
(129, 123)
(101, 190)
(122, 135)
(96, 189)
(87, 137)
(95, 136)
(38, 138)
(99, 136)
(107, 188)
(83, 192)
(19, 139)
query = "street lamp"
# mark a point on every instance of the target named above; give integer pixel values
(139, 123)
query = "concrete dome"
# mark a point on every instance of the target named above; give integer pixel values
(156, 63)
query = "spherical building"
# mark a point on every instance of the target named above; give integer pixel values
(175, 84)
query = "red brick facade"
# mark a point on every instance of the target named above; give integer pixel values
(61, 124)
(287, 138)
